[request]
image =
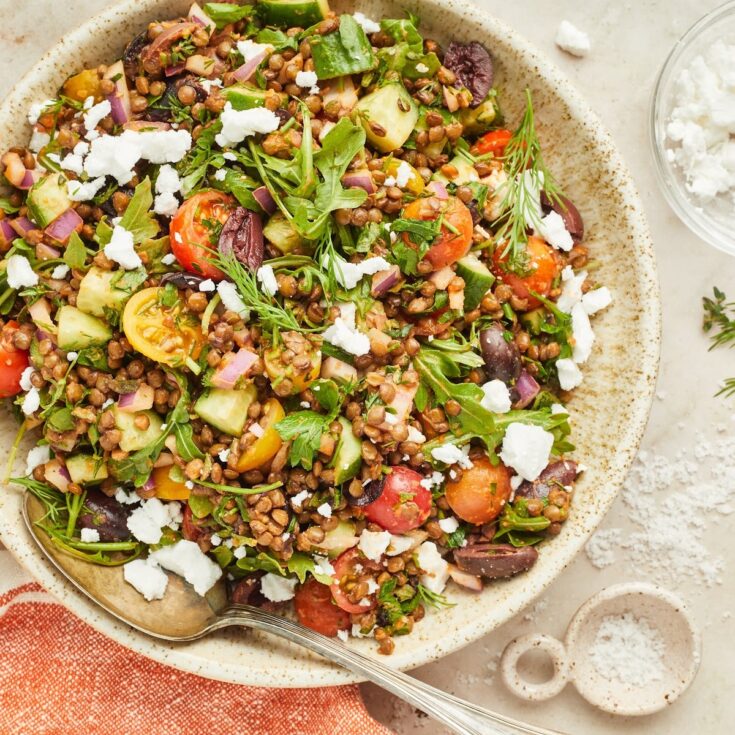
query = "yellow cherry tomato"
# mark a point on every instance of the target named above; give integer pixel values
(83, 85)
(166, 334)
(166, 488)
(415, 183)
(266, 446)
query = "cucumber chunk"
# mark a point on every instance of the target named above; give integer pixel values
(477, 280)
(466, 172)
(226, 410)
(391, 108)
(533, 320)
(97, 294)
(84, 469)
(78, 330)
(280, 232)
(338, 540)
(348, 455)
(48, 199)
(134, 438)
(244, 96)
(292, 13)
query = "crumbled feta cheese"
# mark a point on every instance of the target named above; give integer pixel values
(571, 289)
(60, 272)
(415, 436)
(187, 559)
(526, 449)
(229, 156)
(435, 479)
(89, 535)
(240, 552)
(36, 110)
(36, 457)
(240, 124)
(350, 274)
(449, 525)
(39, 140)
(160, 146)
(146, 522)
(306, 79)
(168, 259)
(325, 510)
(403, 174)
(88, 102)
(19, 272)
(220, 174)
(277, 588)
(224, 455)
(96, 114)
(71, 356)
(207, 285)
(72, 162)
(168, 180)
(343, 635)
(124, 499)
(399, 545)
(435, 569)
(231, 299)
(497, 397)
(250, 49)
(165, 204)
(298, 499)
(367, 24)
(389, 181)
(256, 429)
(215, 540)
(25, 378)
(121, 250)
(80, 191)
(267, 279)
(570, 376)
(515, 482)
(147, 577)
(558, 408)
(570, 39)
(81, 148)
(449, 453)
(554, 231)
(31, 402)
(596, 300)
(322, 565)
(341, 334)
(391, 418)
(584, 337)
(374, 543)
(421, 68)
(207, 84)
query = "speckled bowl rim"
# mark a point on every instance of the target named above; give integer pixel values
(443, 641)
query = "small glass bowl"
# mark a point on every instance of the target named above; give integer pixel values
(713, 221)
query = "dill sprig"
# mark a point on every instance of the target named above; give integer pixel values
(719, 315)
(527, 175)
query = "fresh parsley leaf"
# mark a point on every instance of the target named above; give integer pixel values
(168, 295)
(224, 13)
(129, 281)
(305, 428)
(456, 538)
(278, 39)
(301, 564)
(61, 420)
(138, 218)
(75, 254)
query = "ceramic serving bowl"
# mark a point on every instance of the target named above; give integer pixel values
(609, 411)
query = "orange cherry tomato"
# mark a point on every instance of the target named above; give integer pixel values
(455, 238)
(166, 488)
(543, 266)
(479, 495)
(12, 361)
(193, 231)
(493, 142)
(345, 571)
(265, 447)
(316, 610)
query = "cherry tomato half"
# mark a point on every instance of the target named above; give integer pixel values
(166, 488)
(544, 267)
(493, 142)
(192, 227)
(480, 494)
(265, 447)
(345, 572)
(12, 361)
(191, 527)
(404, 503)
(316, 609)
(455, 238)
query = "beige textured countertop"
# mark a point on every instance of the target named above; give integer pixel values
(630, 40)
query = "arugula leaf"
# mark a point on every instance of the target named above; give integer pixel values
(138, 218)
(261, 562)
(301, 564)
(328, 395)
(185, 444)
(241, 187)
(61, 420)
(305, 428)
(129, 281)
(404, 30)
(344, 51)
(75, 254)
(103, 233)
(224, 13)
(278, 39)
(154, 250)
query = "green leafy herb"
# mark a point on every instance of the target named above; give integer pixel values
(278, 39)
(261, 562)
(344, 51)
(404, 31)
(61, 420)
(75, 254)
(138, 218)
(7, 207)
(719, 323)
(224, 13)
(301, 564)
(516, 523)
(305, 428)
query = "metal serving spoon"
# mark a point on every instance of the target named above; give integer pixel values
(183, 615)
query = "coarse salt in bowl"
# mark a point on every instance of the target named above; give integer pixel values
(692, 128)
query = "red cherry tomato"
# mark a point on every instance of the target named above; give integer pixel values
(493, 142)
(316, 609)
(404, 503)
(191, 529)
(544, 267)
(479, 495)
(345, 572)
(455, 238)
(192, 227)
(12, 362)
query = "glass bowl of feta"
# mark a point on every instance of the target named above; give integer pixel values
(692, 123)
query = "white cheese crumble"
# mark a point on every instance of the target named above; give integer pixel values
(207, 285)
(267, 279)
(325, 509)
(79, 191)
(168, 184)
(526, 449)
(554, 231)
(435, 569)
(367, 24)
(220, 174)
(570, 376)
(61, 271)
(89, 535)
(322, 565)
(39, 140)
(415, 436)
(187, 559)
(597, 300)
(340, 334)
(584, 337)
(215, 540)
(240, 124)
(25, 378)
(224, 455)
(36, 110)
(72, 162)
(168, 259)
(146, 521)
(298, 500)
(497, 397)
(95, 114)
(306, 79)
(19, 272)
(570, 39)
(451, 454)
(449, 525)
(120, 249)
(374, 544)
(277, 588)
(350, 274)
(124, 499)
(231, 299)
(256, 429)
(36, 457)
(403, 174)
(571, 289)
(250, 49)
(435, 479)
(147, 577)
(421, 68)
(31, 402)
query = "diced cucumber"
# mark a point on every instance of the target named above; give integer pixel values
(533, 320)
(78, 330)
(477, 280)
(226, 410)
(84, 469)
(98, 294)
(280, 232)
(48, 199)
(391, 108)
(344, 51)
(338, 540)
(348, 455)
(293, 13)
(466, 172)
(244, 96)
(425, 66)
(134, 438)
(478, 119)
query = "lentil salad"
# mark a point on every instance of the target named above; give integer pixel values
(377, 302)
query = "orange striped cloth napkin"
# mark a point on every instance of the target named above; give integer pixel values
(58, 676)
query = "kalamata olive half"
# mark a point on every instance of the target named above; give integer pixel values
(473, 66)
(557, 475)
(131, 55)
(495, 561)
(502, 358)
(569, 213)
(106, 516)
(242, 235)
(246, 591)
(182, 280)
(160, 111)
(370, 493)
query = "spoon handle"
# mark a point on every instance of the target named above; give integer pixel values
(459, 716)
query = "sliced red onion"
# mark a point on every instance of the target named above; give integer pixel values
(46, 252)
(119, 100)
(7, 233)
(442, 278)
(464, 579)
(265, 199)
(244, 72)
(527, 389)
(42, 334)
(199, 17)
(149, 484)
(57, 475)
(384, 281)
(359, 179)
(338, 370)
(172, 71)
(31, 176)
(22, 225)
(227, 375)
(439, 190)
(62, 227)
(138, 125)
(140, 400)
